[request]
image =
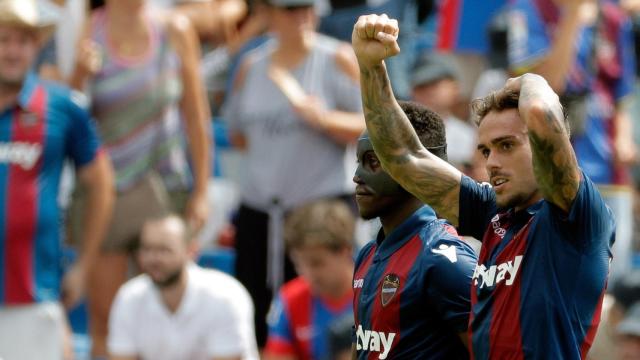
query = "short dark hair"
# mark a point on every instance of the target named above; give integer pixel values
(428, 126)
(327, 223)
(492, 102)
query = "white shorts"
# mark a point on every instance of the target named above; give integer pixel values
(31, 332)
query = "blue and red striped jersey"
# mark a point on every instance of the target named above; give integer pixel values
(411, 292)
(538, 287)
(37, 134)
(299, 321)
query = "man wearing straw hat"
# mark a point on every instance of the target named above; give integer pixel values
(41, 125)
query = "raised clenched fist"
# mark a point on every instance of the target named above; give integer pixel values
(375, 38)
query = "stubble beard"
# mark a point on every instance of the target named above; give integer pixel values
(170, 280)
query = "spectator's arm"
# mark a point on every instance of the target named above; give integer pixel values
(95, 173)
(632, 7)
(195, 111)
(343, 122)
(98, 180)
(354, 352)
(88, 59)
(215, 19)
(252, 27)
(554, 162)
(556, 64)
(345, 126)
(625, 150)
(396, 143)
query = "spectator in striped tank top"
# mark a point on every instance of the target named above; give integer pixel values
(140, 67)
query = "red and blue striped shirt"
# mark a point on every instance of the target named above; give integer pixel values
(538, 287)
(411, 292)
(45, 127)
(299, 321)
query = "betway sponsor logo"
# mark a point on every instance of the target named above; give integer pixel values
(357, 283)
(506, 271)
(497, 229)
(20, 153)
(374, 341)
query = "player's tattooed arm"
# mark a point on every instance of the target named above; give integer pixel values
(554, 162)
(426, 176)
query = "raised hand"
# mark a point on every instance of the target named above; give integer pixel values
(375, 38)
(89, 57)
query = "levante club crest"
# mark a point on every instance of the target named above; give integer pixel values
(390, 286)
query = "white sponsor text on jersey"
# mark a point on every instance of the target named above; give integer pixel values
(496, 273)
(20, 153)
(374, 341)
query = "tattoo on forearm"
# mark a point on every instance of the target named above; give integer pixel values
(396, 143)
(392, 134)
(554, 165)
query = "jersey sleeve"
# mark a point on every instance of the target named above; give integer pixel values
(121, 338)
(589, 217)
(448, 283)
(477, 207)
(236, 337)
(280, 340)
(83, 142)
(527, 38)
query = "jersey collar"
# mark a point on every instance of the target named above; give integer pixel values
(404, 232)
(530, 211)
(533, 209)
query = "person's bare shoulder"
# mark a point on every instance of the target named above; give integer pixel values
(181, 32)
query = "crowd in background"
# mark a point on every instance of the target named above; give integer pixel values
(238, 115)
